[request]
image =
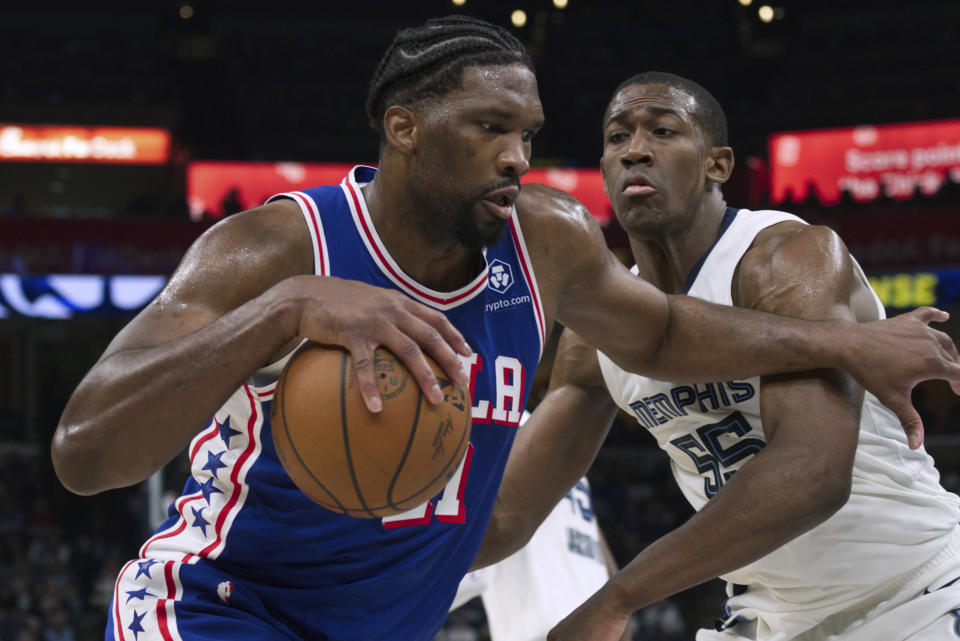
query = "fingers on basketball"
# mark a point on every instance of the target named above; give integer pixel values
(355, 462)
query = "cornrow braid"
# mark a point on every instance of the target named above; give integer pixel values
(428, 61)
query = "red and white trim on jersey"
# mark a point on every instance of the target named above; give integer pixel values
(183, 540)
(528, 275)
(438, 300)
(321, 259)
(117, 620)
(266, 392)
(166, 617)
(239, 487)
(156, 594)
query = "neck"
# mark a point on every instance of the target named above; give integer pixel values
(666, 257)
(439, 266)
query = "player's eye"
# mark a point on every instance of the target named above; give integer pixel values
(616, 137)
(491, 127)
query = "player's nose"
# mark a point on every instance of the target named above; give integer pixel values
(638, 151)
(514, 160)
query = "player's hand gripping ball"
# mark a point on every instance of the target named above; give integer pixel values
(352, 461)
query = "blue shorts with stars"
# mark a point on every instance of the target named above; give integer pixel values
(170, 601)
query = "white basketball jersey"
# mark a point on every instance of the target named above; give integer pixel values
(896, 528)
(561, 566)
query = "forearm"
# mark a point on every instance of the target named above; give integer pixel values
(683, 338)
(704, 341)
(762, 499)
(137, 408)
(553, 450)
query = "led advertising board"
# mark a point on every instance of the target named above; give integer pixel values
(66, 296)
(63, 143)
(868, 162)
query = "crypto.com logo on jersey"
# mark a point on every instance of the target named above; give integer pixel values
(500, 276)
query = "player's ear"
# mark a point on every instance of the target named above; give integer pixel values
(719, 164)
(400, 129)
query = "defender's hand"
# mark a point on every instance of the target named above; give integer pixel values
(892, 356)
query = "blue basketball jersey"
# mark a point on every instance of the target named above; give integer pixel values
(244, 548)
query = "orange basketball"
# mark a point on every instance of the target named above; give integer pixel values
(352, 461)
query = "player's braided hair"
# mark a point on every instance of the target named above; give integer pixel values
(428, 61)
(710, 113)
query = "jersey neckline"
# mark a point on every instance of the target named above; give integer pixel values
(728, 215)
(363, 174)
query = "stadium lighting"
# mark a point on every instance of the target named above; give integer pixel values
(518, 18)
(560, 4)
(459, 3)
(766, 13)
(186, 12)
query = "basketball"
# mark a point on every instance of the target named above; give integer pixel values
(355, 462)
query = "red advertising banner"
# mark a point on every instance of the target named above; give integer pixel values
(60, 143)
(868, 161)
(216, 188)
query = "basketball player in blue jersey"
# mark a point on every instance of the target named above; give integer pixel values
(437, 250)
(825, 524)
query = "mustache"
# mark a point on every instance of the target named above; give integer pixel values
(495, 185)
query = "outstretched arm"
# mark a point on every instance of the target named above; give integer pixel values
(552, 450)
(241, 298)
(801, 477)
(682, 338)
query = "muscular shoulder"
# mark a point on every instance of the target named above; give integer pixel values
(540, 204)
(562, 237)
(249, 252)
(791, 266)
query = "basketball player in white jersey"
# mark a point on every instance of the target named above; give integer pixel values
(825, 524)
(565, 561)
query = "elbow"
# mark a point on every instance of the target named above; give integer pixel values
(516, 527)
(520, 535)
(834, 497)
(826, 492)
(504, 536)
(75, 466)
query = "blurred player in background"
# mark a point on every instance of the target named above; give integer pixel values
(566, 560)
(811, 505)
(436, 250)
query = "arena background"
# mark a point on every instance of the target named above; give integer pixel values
(286, 81)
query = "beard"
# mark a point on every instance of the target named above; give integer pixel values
(446, 221)
(472, 233)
